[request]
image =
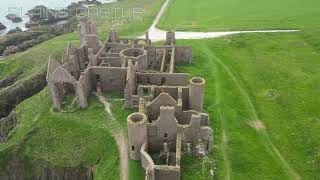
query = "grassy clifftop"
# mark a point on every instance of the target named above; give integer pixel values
(262, 95)
(64, 139)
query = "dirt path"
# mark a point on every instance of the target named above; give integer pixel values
(226, 167)
(119, 137)
(156, 34)
(274, 152)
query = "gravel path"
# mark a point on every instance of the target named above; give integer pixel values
(156, 34)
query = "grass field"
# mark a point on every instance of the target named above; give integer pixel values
(262, 94)
(221, 15)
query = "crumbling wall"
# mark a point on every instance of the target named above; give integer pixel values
(56, 82)
(131, 85)
(85, 81)
(194, 132)
(183, 54)
(187, 118)
(167, 172)
(178, 148)
(82, 57)
(173, 91)
(100, 53)
(111, 61)
(116, 48)
(72, 66)
(146, 160)
(155, 58)
(52, 66)
(153, 108)
(111, 78)
(167, 124)
(163, 79)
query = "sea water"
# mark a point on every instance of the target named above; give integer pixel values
(20, 7)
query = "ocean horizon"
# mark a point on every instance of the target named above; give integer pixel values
(20, 7)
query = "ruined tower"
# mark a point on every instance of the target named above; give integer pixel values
(137, 133)
(196, 94)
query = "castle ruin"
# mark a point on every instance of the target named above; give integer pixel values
(170, 120)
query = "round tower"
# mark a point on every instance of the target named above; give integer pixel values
(137, 133)
(196, 94)
(136, 55)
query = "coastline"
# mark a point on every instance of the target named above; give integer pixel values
(22, 13)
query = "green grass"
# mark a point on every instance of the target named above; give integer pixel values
(134, 26)
(65, 139)
(272, 78)
(69, 139)
(136, 172)
(221, 15)
(35, 59)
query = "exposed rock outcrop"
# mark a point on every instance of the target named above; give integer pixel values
(6, 125)
(43, 15)
(2, 27)
(14, 18)
(9, 80)
(20, 41)
(76, 8)
(18, 38)
(13, 95)
(18, 170)
(10, 50)
(16, 166)
(15, 30)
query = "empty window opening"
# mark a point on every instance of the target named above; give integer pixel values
(98, 77)
(145, 91)
(132, 148)
(163, 81)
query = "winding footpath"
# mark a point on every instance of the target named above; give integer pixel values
(272, 149)
(156, 34)
(118, 135)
